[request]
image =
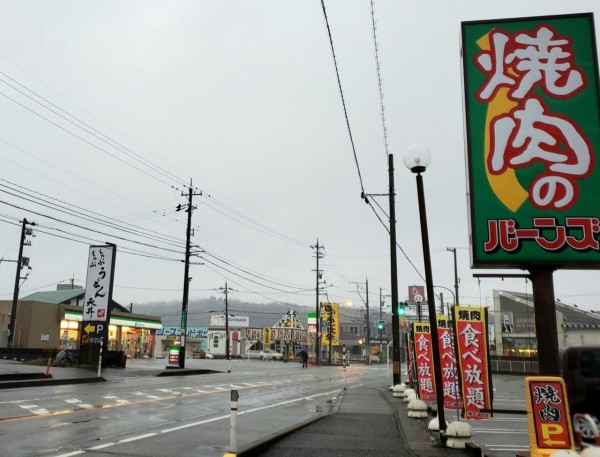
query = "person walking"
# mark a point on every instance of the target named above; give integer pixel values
(304, 356)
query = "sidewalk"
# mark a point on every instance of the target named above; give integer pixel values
(366, 421)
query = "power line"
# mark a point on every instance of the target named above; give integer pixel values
(67, 210)
(88, 129)
(89, 229)
(379, 79)
(337, 73)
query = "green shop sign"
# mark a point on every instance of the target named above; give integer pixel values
(533, 131)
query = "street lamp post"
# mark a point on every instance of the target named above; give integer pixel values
(417, 159)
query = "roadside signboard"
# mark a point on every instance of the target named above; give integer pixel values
(266, 336)
(416, 293)
(97, 303)
(330, 321)
(548, 415)
(473, 358)
(424, 361)
(410, 359)
(533, 129)
(450, 378)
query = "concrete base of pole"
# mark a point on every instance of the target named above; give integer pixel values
(407, 392)
(590, 451)
(458, 433)
(417, 409)
(399, 390)
(434, 425)
(409, 396)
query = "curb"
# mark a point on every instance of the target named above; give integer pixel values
(48, 382)
(262, 445)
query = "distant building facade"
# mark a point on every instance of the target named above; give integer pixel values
(514, 325)
(52, 320)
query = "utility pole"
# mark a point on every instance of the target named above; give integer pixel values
(368, 322)
(381, 329)
(453, 251)
(186, 274)
(397, 379)
(227, 342)
(442, 303)
(319, 275)
(367, 319)
(21, 263)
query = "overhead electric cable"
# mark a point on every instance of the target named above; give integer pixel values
(339, 81)
(87, 228)
(88, 142)
(89, 129)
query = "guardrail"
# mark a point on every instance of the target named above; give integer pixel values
(520, 367)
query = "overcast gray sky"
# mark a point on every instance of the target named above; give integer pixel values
(242, 98)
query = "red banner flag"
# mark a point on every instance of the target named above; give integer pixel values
(471, 333)
(450, 378)
(424, 361)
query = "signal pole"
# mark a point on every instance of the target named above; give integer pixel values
(21, 262)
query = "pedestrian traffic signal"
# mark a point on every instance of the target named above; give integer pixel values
(380, 325)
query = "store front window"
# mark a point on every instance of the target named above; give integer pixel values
(137, 342)
(519, 346)
(69, 334)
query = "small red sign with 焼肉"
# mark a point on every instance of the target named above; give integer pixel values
(549, 412)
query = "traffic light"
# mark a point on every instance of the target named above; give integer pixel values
(380, 325)
(401, 308)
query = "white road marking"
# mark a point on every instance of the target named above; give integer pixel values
(115, 398)
(78, 403)
(193, 424)
(35, 409)
(101, 446)
(144, 394)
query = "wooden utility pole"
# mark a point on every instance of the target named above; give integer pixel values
(20, 264)
(186, 274)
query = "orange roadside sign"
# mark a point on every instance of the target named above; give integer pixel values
(548, 415)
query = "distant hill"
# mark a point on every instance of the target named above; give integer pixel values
(199, 311)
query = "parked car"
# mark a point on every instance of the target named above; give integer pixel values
(581, 372)
(267, 354)
(209, 356)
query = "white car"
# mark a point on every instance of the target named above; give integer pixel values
(270, 355)
(209, 356)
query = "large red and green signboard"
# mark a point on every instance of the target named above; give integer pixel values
(533, 129)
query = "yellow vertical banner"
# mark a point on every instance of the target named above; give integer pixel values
(267, 336)
(330, 323)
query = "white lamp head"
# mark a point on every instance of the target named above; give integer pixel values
(417, 158)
